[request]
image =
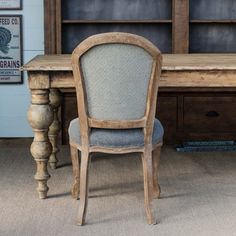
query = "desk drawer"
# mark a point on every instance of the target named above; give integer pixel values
(210, 114)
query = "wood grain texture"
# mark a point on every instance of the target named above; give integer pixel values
(155, 165)
(171, 62)
(167, 111)
(68, 113)
(58, 19)
(110, 124)
(84, 178)
(75, 158)
(64, 21)
(76, 13)
(198, 61)
(180, 30)
(178, 70)
(213, 21)
(50, 26)
(38, 80)
(40, 117)
(181, 73)
(199, 79)
(148, 184)
(212, 29)
(55, 98)
(129, 21)
(86, 123)
(210, 114)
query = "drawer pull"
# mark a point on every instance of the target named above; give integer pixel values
(212, 114)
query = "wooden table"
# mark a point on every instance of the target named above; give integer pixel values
(48, 74)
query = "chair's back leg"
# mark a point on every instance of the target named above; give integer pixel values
(75, 158)
(148, 185)
(85, 160)
(156, 161)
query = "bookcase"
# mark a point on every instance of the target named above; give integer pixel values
(81, 19)
(212, 26)
(174, 26)
(68, 22)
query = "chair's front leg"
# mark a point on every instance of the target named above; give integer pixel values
(75, 158)
(148, 185)
(85, 159)
(156, 161)
(55, 102)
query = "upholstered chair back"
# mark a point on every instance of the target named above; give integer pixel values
(116, 78)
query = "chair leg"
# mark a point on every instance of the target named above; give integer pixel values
(148, 185)
(156, 161)
(76, 171)
(85, 159)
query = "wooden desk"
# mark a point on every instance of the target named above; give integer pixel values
(49, 74)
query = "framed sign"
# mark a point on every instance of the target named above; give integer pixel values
(10, 4)
(10, 49)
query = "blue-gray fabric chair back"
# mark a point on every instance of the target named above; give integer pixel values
(116, 78)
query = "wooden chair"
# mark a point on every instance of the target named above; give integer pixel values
(116, 77)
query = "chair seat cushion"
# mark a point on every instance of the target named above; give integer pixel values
(113, 138)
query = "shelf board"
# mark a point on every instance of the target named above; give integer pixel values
(213, 21)
(114, 21)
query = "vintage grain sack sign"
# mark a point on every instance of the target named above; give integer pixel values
(10, 49)
(10, 4)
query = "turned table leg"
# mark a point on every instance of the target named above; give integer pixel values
(40, 116)
(54, 129)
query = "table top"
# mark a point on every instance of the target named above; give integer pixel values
(171, 62)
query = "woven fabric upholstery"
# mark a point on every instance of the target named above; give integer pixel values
(114, 138)
(116, 78)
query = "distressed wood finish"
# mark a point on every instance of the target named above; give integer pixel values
(116, 21)
(110, 124)
(75, 158)
(75, 22)
(192, 72)
(204, 114)
(171, 62)
(40, 116)
(146, 122)
(178, 70)
(180, 30)
(50, 26)
(71, 17)
(58, 26)
(198, 79)
(61, 19)
(156, 162)
(55, 98)
(84, 175)
(175, 26)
